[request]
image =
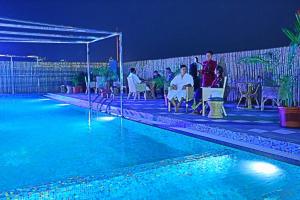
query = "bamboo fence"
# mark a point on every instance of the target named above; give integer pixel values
(30, 77)
(234, 71)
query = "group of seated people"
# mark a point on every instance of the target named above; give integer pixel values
(206, 74)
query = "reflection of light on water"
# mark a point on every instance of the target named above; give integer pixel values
(63, 104)
(264, 168)
(43, 99)
(107, 118)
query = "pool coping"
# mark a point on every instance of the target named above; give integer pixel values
(276, 149)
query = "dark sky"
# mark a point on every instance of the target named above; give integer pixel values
(158, 28)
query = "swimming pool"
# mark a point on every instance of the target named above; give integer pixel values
(52, 149)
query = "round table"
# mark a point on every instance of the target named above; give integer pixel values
(216, 108)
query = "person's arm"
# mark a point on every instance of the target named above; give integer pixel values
(189, 81)
(136, 79)
(173, 84)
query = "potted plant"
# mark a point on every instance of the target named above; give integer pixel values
(289, 113)
(104, 76)
(78, 83)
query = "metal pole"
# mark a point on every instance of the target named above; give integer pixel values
(88, 75)
(12, 75)
(121, 72)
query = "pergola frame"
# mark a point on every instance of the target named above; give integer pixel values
(20, 31)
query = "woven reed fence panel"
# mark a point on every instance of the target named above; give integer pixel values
(235, 72)
(30, 77)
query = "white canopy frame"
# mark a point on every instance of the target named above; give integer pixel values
(20, 31)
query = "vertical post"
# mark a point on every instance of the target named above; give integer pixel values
(12, 82)
(88, 74)
(121, 72)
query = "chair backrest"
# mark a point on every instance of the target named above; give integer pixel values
(242, 88)
(224, 85)
(256, 88)
(208, 92)
(131, 85)
(189, 93)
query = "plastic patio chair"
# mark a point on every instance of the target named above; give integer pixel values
(136, 89)
(248, 91)
(208, 92)
(189, 97)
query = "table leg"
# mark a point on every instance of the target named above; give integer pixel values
(203, 108)
(249, 103)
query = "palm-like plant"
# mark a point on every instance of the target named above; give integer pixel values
(268, 61)
(287, 81)
(294, 36)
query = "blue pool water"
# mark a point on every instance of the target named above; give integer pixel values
(44, 141)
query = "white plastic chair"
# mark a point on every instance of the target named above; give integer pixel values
(136, 89)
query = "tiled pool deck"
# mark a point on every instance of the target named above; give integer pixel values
(250, 129)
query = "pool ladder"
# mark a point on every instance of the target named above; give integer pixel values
(104, 100)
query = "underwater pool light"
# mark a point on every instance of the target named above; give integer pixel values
(107, 118)
(45, 99)
(63, 104)
(264, 168)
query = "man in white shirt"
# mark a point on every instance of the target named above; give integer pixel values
(133, 76)
(178, 87)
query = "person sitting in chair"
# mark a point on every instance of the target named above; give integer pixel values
(219, 79)
(178, 87)
(157, 84)
(133, 76)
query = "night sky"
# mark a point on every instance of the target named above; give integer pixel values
(158, 28)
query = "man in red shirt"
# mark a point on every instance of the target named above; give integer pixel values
(208, 71)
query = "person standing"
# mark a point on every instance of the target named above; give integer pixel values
(208, 71)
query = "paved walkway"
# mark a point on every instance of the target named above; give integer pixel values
(258, 127)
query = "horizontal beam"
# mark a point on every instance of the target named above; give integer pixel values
(47, 35)
(105, 37)
(15, 56)
(55, 26)
(42, 41)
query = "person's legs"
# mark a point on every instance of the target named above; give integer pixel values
(196, 106)
(178, 104)
(153, 88)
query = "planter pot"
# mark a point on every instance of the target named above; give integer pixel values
(69, 89)
(77, 89)
(289, 117)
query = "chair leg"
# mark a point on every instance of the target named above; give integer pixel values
(256, 100)
(262, 105)
(239, 102)
(145, 95)
(129, 94)
(186, 107)
(166, 100)
(134, 96)
(203, 108)
(169, 106)
(224, 111)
